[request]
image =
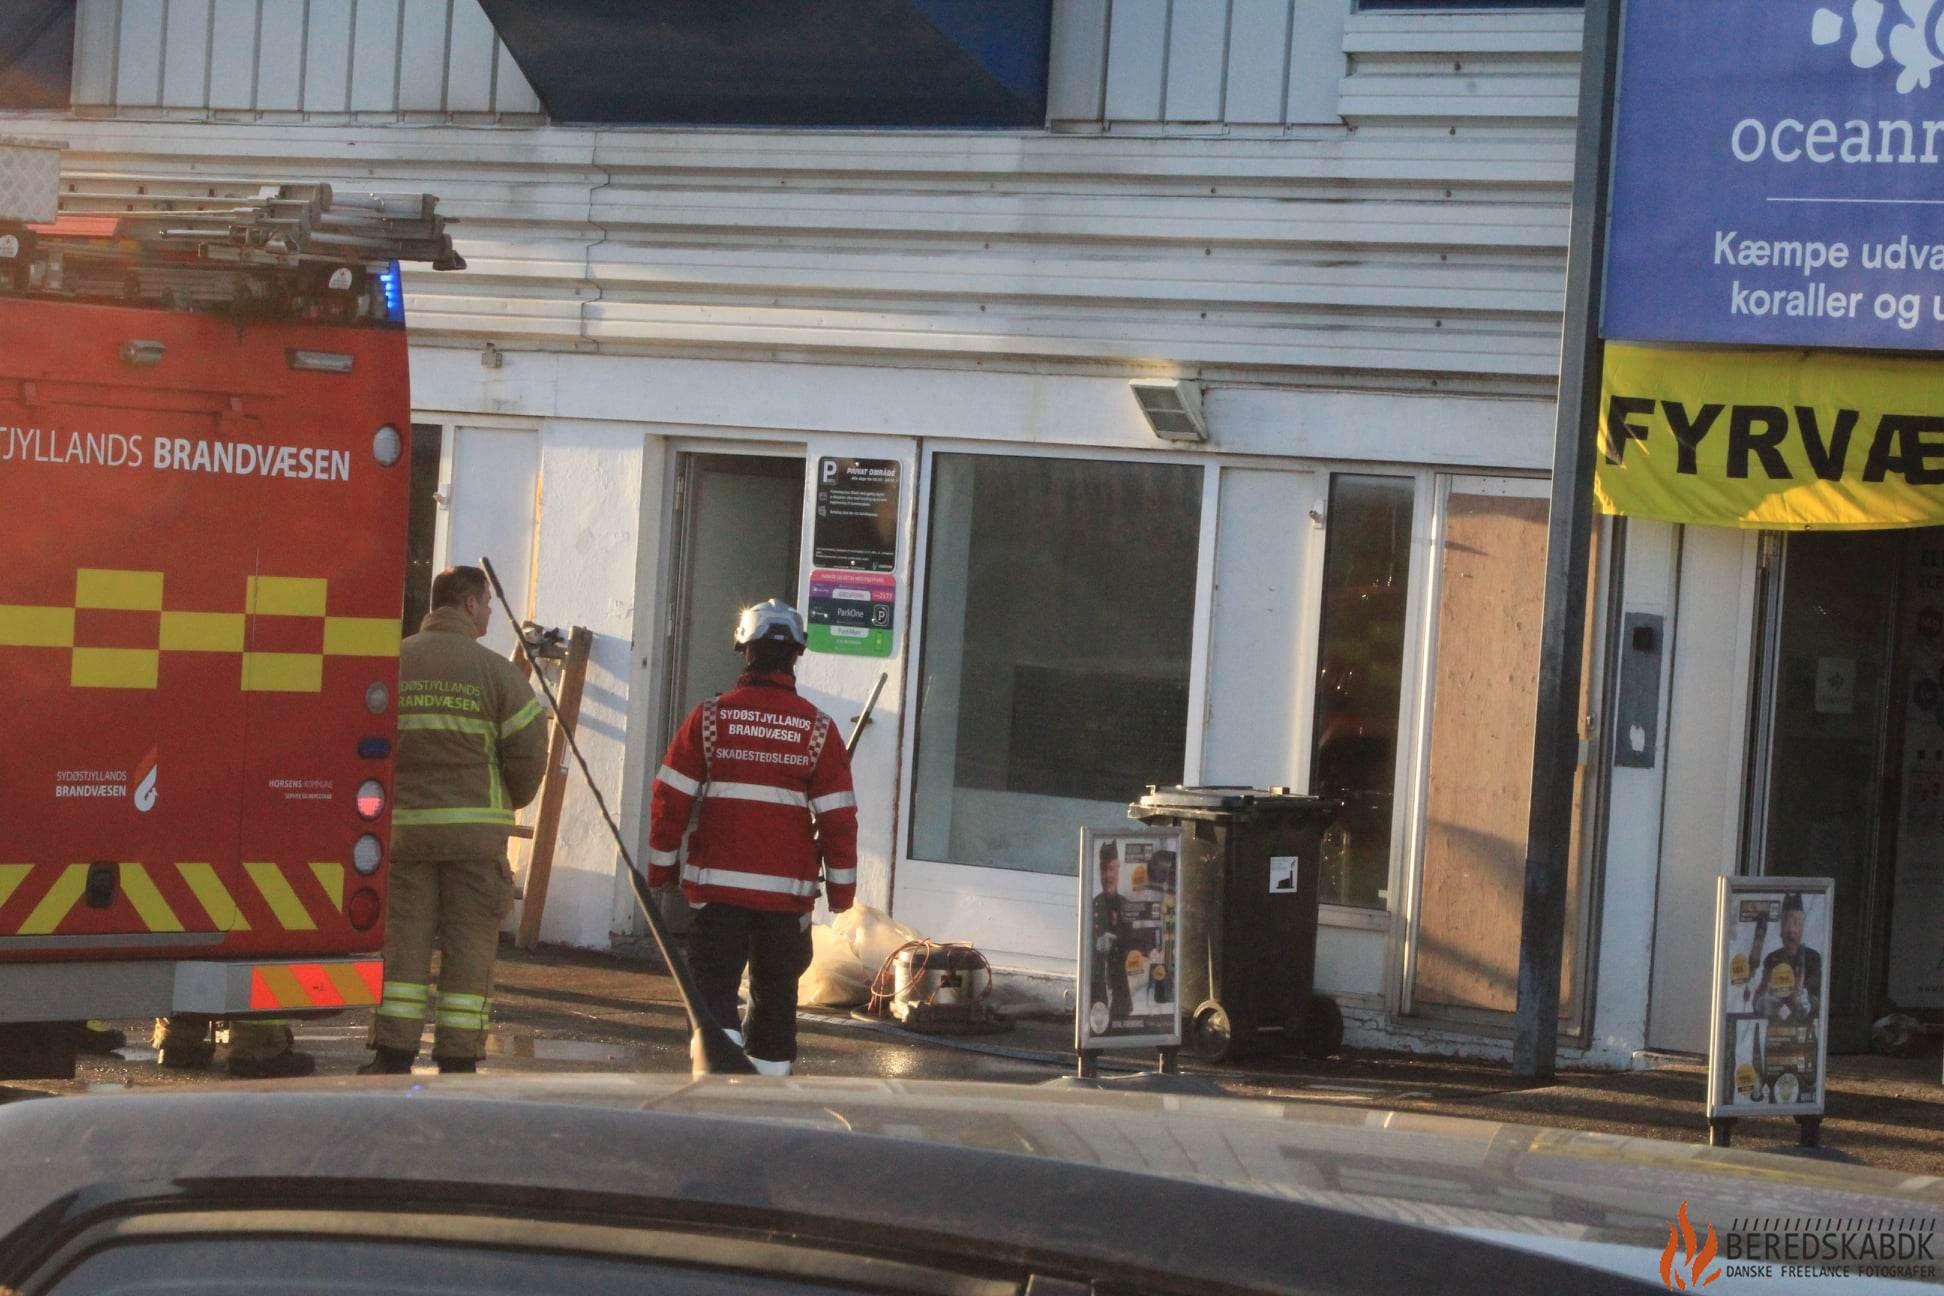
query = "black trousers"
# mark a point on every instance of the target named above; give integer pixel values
(776, 949)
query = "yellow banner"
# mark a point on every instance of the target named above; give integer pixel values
(1785, 440)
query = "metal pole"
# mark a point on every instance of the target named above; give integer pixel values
(1555, 745)
(712, 1051)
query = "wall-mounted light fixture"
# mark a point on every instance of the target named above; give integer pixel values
(1172, 408)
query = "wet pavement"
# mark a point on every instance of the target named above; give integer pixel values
(561, 1011)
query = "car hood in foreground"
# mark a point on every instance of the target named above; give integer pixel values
(1603, 1200)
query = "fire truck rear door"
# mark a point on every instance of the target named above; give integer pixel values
(122, 623)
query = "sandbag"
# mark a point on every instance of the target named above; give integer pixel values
(846, 954)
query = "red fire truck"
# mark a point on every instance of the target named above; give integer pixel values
(204, 461)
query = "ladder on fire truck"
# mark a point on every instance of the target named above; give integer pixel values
(228, 247)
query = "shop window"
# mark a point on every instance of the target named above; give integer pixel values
(421, 528)
(1059, 613)
(1360, 680)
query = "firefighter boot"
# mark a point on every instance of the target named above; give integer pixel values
(389, 1061)
(98, 1039)
(182, 1042)
(458, 1066)
(265, 1050)
(473, 897)
(411, 930)
(287, 1065)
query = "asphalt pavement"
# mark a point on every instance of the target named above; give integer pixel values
(560, 1011)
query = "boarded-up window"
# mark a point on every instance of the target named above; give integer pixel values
(1484, 689)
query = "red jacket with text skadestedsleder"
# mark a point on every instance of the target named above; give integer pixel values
(777, 808)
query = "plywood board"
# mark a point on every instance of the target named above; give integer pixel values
(1485, 682)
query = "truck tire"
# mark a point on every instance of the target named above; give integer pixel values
(38, 1050)
(1318, 1031)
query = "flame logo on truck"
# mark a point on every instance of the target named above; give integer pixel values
(145, 782)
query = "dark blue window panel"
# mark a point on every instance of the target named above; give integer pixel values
(36, 54)
(912, 63)
(1432, 6)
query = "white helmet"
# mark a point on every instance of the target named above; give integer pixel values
(773, 621)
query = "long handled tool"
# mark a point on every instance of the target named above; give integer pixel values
(870, 705)
(714, 1052)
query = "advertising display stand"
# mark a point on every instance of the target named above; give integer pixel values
(1768, 1048)
(1130, 887)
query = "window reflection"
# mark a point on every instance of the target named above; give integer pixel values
(1059, 613)
(1359, 685)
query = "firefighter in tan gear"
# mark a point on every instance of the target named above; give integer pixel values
(259, 1048)
(471, 751)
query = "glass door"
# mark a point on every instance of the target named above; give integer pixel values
(1825, 763)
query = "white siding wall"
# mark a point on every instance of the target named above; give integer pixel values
(1336, 274)
(1423, 243)
(1230, 63)
(318, 57)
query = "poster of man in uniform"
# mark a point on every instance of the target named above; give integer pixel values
(1129, 889)
(1771, 1014)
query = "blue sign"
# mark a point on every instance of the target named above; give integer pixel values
(1779, 174)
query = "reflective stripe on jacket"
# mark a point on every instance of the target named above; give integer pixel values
(774, 783)
(471, 750)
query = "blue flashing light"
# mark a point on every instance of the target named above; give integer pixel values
(374, 748)
(394, 283)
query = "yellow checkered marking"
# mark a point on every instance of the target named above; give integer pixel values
(36, 627)
(27, 626)
(203, 631)
(265, 672)
(118, 591)
(361, 637)
(286, 596)
(115, 668)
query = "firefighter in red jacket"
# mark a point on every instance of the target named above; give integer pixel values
(774, 783)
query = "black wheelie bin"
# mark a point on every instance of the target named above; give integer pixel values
(1249, 889)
